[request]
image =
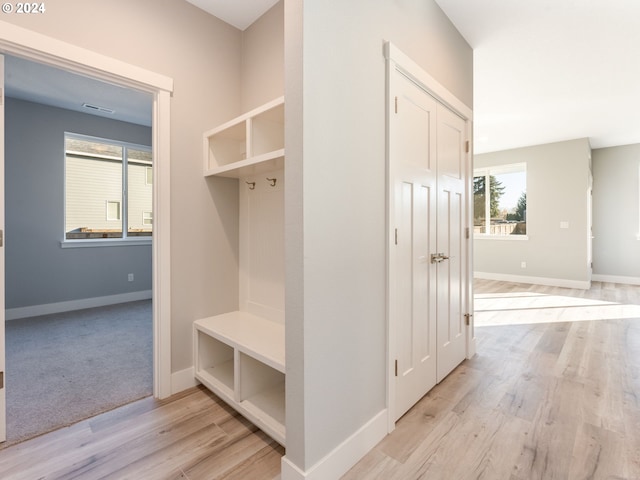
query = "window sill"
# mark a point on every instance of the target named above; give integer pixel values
(508, 238)
(115, 242)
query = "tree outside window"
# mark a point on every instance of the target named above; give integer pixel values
(500, 200)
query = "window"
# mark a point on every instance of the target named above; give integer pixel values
(107, 175)
(503, 211)
(113, 210)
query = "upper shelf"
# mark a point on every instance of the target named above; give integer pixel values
(252, 143)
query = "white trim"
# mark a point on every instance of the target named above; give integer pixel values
(115, 242)
(508, 238)
(71, 305)
(344, 456)
(616, 279)
(183, 380)
(551, 282)
(161, 249)
(3, 403)
(414, 71)
(34, 46)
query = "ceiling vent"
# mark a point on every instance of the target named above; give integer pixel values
(98, 108)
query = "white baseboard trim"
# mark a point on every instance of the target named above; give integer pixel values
(48, 308)
(344, 456)
(183, 380)
(616, 279)
(551, 282)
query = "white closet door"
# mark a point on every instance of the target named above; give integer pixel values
(428, 248)
(413, 299)
(451, 244)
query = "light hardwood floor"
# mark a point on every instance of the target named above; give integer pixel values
(190, 436)
(547, 398)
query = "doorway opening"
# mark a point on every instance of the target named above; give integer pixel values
(66, 362)
(40, 48)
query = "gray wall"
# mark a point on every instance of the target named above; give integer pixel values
(616, 215)
(557, 186)
(38, 270)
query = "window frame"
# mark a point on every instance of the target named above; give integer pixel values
(118, 204)
(487, 172)
(125, 239)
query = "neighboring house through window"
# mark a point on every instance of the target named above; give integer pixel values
(500, 201)
(108, 189)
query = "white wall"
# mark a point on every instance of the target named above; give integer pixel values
(557, 187)
(335, 142)
(616, 214)
(262, 76)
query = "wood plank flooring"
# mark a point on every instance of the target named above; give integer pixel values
(545, 398)
(193, 435)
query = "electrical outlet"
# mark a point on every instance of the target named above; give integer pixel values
(523, 264)
(130, 277)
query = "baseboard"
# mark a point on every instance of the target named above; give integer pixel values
(71, 305)
(183, 380)
(551, 282)
(344, 456)
(616, 279)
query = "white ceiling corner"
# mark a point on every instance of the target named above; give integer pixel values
(239, 13)
(552, 70)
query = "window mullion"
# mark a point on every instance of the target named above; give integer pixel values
(487, 204)
(125, 189)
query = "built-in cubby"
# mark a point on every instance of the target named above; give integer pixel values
(252, 143)
(240, 355)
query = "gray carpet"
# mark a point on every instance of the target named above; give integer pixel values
(66, 367)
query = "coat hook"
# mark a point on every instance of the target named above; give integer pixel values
(272, 181)
(252, 185)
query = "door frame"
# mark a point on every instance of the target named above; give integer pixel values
(21, 42)
(397, 61)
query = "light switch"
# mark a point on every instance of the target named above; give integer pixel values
(564, 224)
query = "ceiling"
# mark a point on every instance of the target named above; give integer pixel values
(552, 70)
(35, 82)
(239, 13)
(544, 71)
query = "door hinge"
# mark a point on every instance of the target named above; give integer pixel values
(396, 368)
(396, 236)
(467, 147)
(466, 233)
(1, 380)
(467, 318)
(1, 97)
(396, 104)
(1, 238)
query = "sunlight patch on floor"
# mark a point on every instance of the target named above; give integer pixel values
(517, 308)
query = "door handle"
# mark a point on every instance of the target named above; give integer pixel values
(438, 257)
